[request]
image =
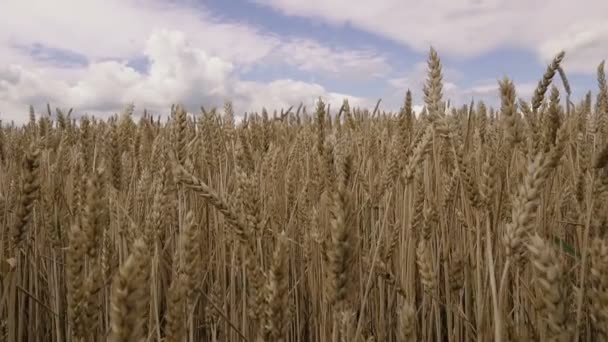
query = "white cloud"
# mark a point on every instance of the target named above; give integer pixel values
(285, 93)
(471, 27)
(489, 92)
(586, 44)
(118, 29)
(178, 73)
(28, 85)
(198, 58)
(195, 57)
(310, 55)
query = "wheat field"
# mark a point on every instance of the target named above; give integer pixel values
(457, 224)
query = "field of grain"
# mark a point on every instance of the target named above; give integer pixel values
(321, 224)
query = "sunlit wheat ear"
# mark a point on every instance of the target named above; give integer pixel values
(94, 212)
(543, 84)
(176, 300)
(551, 121)
(419, 152)
(602, 99)
(468, 180)
(30, 194)
(549, 277)
(487, 185)
(277, 300)
(406, 120)
(190, 245)
(425, 266)
(340, 250)
(200, 187)
(129, 299)
(524, 209)
(508, 109)
(434, 86)
(347, 324)
(407, 323)
(115, 157)
(181, 124)
(75, 278)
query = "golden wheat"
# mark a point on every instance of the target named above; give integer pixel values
(455, 224)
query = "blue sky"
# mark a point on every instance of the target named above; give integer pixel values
(97, 56)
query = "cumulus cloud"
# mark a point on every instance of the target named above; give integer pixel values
(178, 73)
(197, 58)
(586, 44)
(285, 93)
(192, 56)
(310, 55)
(467, 28)
(489, 92)
(99, 30)
(30, 86)
(118, 28)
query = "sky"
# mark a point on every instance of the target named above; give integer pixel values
(98, 56)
